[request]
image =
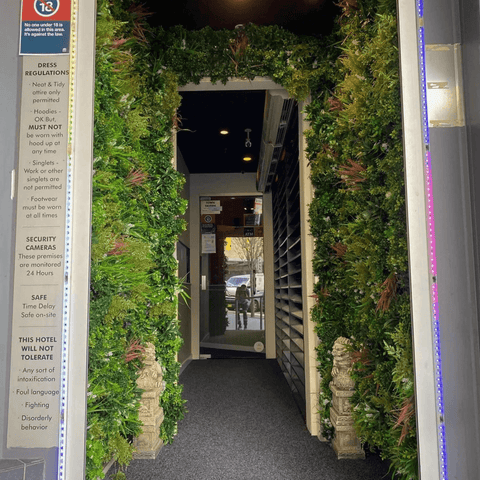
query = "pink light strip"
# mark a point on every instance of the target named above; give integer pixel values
(432, 245)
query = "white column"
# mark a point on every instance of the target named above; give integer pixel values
(312, 387)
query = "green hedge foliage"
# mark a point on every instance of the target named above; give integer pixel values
(135, 224)
(358, 221)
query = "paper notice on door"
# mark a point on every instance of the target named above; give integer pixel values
(208, 243)
(257, 209)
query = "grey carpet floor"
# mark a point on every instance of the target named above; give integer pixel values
(243, 424)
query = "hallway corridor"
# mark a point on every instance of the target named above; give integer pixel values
(243, 424)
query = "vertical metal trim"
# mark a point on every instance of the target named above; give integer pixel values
(64, 377)
(78, 237)
(268, 272)
(12, 184)
(416, 135)
(435, 318)
(312, 387)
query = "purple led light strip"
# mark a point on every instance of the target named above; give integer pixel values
(432, 252)
(432, 245)
(421, 45)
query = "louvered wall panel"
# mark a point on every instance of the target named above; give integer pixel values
(287, 267)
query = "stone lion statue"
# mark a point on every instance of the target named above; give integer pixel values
(342, 364)
(151, 375)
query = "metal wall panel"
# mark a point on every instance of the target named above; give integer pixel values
(455, 174)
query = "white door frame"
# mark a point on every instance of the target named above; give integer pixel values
(245, 184)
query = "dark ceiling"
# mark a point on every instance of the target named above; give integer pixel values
(203, 114)
(303, 17)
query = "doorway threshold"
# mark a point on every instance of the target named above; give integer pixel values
(217, 351)
(224, 346)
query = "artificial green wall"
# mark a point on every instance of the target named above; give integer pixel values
(136, 221)
(357, 217)
(358, 220)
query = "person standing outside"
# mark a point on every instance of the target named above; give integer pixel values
(241, 299)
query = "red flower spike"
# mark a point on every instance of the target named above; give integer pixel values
(119, 248)
(136, 177)
(134, 350)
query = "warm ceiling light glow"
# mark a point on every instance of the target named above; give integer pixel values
(224, 131)
(247, 159)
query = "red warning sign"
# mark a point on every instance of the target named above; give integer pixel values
(45, 27)
(41, 10)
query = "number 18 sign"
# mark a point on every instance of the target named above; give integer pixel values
(45, 27)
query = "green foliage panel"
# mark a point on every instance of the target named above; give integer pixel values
(135, 224)
(358, 221)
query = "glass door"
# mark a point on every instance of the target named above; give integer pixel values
(233, 305)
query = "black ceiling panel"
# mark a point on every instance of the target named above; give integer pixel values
(303, 17)
(204, 114)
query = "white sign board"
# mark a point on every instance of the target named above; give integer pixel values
(208, 243)
(33, 412)
(210, 207)
(258, 206)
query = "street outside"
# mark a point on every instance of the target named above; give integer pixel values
(253, 323)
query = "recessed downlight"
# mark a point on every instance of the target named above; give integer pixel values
(224, 131)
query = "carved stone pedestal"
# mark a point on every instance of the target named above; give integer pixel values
(346, 443)
(150, 379)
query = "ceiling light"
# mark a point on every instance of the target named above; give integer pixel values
(247, 158)
(224, 131)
